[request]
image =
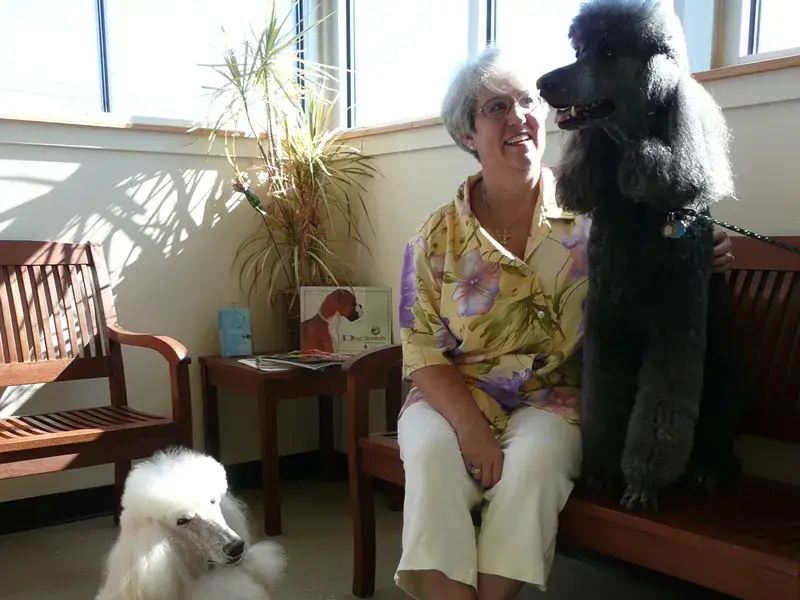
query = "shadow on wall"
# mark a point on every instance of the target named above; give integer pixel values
(169, 229)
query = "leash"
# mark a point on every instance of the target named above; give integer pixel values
(676, 227)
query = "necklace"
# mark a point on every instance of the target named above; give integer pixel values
(504, 236)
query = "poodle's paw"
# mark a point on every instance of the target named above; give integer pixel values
(601, 485)
(700, 478)
(640, 498)
(707, 477)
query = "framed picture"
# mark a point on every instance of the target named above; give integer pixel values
(345, 320)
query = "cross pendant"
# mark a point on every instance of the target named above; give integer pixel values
(504, 237)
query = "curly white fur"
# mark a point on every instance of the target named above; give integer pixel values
(183, 536)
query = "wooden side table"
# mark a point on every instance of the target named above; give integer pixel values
(268, 387)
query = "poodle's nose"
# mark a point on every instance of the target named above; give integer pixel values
(545, 83)
(234, 550)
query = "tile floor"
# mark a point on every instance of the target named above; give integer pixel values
(64, 562)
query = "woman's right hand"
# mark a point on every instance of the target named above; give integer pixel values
(481, 449)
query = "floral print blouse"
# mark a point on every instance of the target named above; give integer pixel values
(512, 327)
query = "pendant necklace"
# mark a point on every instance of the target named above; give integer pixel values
(503, 236)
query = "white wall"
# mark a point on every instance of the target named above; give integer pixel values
(170, 228)
(422, 169)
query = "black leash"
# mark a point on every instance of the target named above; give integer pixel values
(695, 215)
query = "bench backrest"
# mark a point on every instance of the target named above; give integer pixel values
(55, 300)
(765, 286)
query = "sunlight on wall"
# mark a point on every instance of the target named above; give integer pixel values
(30, 180)
(12, 399)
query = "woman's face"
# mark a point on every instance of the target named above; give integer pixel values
(509, 129)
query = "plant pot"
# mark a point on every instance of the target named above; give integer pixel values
(292, 301)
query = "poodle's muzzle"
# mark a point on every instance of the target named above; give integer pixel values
(568, 90)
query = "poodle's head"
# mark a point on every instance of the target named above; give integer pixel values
(185, 495)
(630, 55)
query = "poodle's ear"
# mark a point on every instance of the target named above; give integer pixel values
(701, 142)
(686, 160)
(143, 566)
(585, 170)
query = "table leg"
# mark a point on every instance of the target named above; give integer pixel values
(210, 414)
(326, 450)
(270, 475)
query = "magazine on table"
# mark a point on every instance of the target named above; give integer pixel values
(314, 360)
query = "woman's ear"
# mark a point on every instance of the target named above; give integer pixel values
(468, 141)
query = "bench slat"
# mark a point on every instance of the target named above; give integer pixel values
(70, 427)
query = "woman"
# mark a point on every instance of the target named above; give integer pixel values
(491, 302)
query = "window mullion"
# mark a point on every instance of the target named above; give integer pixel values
(102, 55)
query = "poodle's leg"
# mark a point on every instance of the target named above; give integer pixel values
(121, 470)
(662, 426)
(714, 462)
(608, 392)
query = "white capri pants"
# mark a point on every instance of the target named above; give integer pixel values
(517, 538)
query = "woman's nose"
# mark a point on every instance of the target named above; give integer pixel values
(516, 114)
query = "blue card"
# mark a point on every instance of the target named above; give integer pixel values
(235, 336)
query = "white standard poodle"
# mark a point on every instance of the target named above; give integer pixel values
(183, 536)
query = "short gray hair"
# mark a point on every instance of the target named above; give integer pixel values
(491, 69)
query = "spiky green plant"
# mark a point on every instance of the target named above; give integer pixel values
(305, 177)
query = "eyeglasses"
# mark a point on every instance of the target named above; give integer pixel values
(498, 108)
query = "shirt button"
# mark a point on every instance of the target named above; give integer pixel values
(540, 314)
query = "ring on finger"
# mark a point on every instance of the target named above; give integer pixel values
(475, 471)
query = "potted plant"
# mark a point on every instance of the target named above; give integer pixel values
(305, 178)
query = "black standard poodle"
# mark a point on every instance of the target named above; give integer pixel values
(645, 140)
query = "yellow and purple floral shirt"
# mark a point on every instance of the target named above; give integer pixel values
(512, 327)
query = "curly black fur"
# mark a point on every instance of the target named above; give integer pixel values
(647, 139)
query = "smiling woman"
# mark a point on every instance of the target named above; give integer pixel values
(490, 321)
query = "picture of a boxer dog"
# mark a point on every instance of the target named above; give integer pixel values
(316, 332)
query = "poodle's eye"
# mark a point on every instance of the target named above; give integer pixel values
(604, 49)
(183, 520)
(213, 501)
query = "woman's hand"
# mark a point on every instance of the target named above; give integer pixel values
(723, 251)
(481, 451)
(444, 389)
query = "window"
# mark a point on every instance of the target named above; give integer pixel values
(403, 54)
(537, 29)
(129, 57)
(157, 49)
(49, 57)
(771, 26)
(756, 30)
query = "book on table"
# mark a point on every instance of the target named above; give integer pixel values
(277, 361)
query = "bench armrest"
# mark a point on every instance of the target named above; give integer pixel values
(178, 358)
(171, 349)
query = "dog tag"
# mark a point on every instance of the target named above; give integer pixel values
(674, 228)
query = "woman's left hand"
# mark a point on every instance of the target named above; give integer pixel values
(723, 251)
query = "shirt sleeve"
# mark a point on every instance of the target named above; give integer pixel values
(423, 333)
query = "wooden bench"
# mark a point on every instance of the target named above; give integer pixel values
(745, 542)
(58, 323)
